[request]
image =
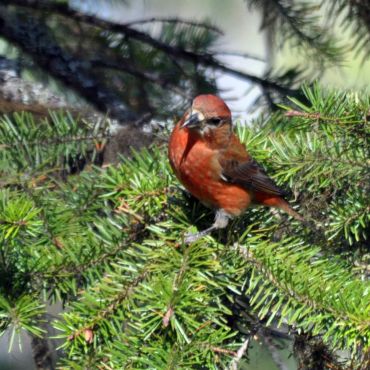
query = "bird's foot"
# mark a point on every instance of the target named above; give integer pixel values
(221, 221)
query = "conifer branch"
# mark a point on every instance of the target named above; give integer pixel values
(134, 294)
(104, 313)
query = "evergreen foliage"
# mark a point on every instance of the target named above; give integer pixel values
(297, 22)
(108, 243)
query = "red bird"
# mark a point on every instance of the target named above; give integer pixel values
(212, 163)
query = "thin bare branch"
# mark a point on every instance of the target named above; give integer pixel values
(239, 355)
(175, 20)
(239, 54)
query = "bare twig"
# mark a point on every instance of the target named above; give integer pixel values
(175, 20)
(239, 355)
(239, 54)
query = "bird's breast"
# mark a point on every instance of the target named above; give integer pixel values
(197, 167)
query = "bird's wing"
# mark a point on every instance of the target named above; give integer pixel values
(249, 174)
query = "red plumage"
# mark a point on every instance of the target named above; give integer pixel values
(213, 165)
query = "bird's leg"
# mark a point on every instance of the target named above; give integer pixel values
(221, 221)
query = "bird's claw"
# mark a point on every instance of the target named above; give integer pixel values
(191, 237)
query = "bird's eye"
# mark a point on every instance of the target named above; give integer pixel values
(214, 121)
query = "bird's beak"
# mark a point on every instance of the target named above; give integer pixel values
(193, 120)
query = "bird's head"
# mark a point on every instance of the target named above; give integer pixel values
(207, 114)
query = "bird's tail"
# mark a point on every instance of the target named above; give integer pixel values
(279, 202)
(285, 206)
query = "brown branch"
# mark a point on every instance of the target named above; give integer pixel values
(223, 351)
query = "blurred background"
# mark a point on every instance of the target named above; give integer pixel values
(141, 62)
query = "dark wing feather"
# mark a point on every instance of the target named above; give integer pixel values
(250, 175)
